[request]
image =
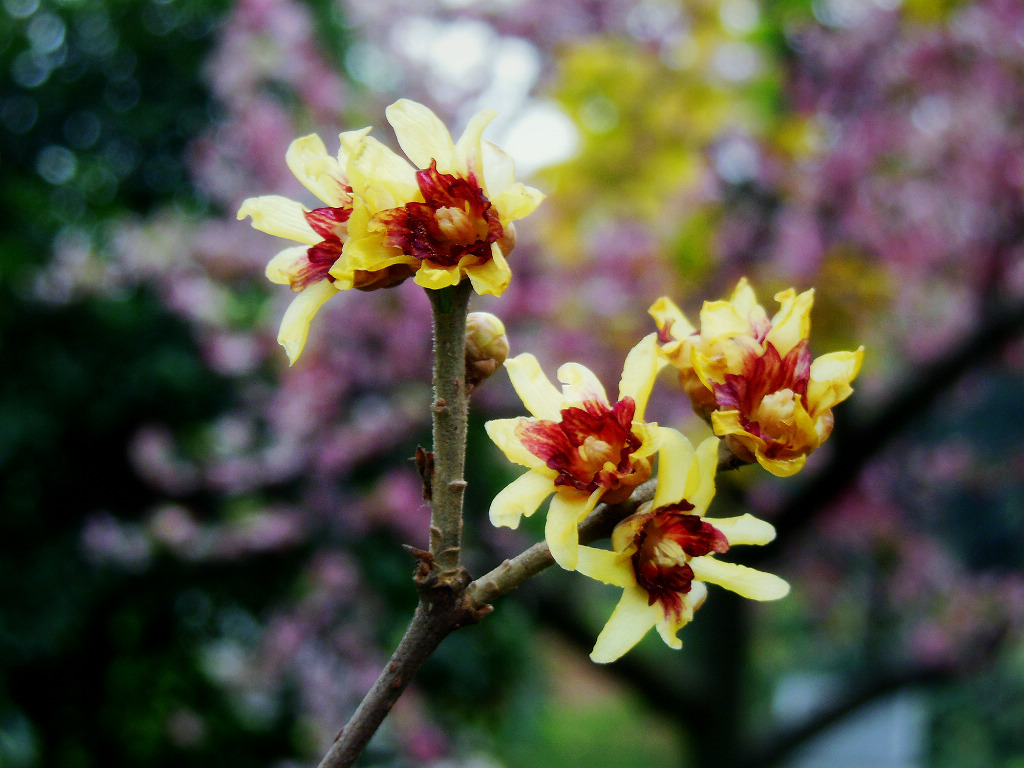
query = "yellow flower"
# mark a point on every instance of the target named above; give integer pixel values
(662, 556)
(446, 216)
(728, 331)
(752, 377)
(577, 445)
(322, 233)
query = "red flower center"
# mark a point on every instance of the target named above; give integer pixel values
(454, 220)
(665, 542)
(767, 392)
(591, 447)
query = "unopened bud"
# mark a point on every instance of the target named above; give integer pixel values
(486, 347)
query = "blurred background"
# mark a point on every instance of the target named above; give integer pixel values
(200, 556)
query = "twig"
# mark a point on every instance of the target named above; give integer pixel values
(442, 609)
(511, 573)
(447, 602)
(449, 411)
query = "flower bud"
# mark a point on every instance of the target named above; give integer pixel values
(486, 347)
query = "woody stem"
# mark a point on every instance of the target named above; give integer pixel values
(450, 414)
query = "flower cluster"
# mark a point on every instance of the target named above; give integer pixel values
(446, 216)
(662, 556)
(581, 449)
(752, 376)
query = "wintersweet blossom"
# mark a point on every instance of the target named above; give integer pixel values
(752, 376)
(579, 447)
(663, 555)
(447, 215)
(321, 232)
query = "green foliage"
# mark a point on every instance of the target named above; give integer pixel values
(977, 724)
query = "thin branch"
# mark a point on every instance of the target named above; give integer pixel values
(450, 409)
(447, 602)
(511, 573)
(598, 525)
(440, 612)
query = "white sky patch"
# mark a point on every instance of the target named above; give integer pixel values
(463, 56)
(650, 19)
(542, 135)
(515, 67)
(736, 160)
(736, 61)
(455, 54)
(739, 16)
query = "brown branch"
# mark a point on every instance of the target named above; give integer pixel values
(511, 573)
(442, 609)
(447, 602)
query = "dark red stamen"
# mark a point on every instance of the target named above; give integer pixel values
(580, 445)
(416, 230)
(666, 582)
(330, 224)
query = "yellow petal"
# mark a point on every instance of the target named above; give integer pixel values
(674, 460)
(319, 172)
(624, 535)
(720, 319)
(639, 372)
(516, 202)
(745, 529)
(284, 265)
(781, 467)
(520, 498)
(700, 480)
(831, 375)
(728, 423)
(279, 216)
(579, 384)
(649, 434)
(296, 320)
(467, 157)
(743, 299)
(568, 509)
(629, 622)
(538, 394)
(436, 278)
(379, 177)
(666, 313)
(503, 433)
(499, 171)
(792, 323)
(669, 626)
(349, 143)
(744, 581)
(493, 276)
(421, 134)
(602, 565)
(369, 253)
